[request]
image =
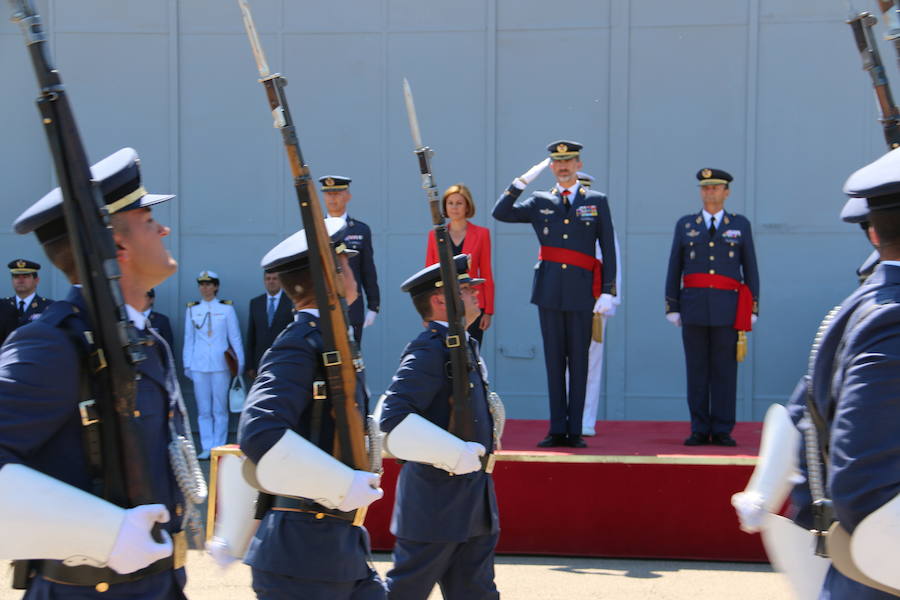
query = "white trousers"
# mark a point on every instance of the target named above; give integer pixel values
(211, 393)
(594, 380)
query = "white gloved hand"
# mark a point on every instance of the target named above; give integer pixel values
(469, 459)
(750, 510)
(604, 304)
(370, 318)
(674, 318)
(531, 174)
(135, 548)
(219, 551)
(187, 373)
(364, 490)
(753, 320)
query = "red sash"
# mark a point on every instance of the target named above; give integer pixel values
(577, 259)
(742, 318)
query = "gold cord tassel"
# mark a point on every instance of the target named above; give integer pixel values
(742, 346)
(597, 328)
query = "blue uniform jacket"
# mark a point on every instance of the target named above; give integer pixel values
(34, 309)
(297, 544)
(588, 220)
(161, 324)
(359, 238)
(40, 426)
(730, 253)
(860, 399)
(432, 505)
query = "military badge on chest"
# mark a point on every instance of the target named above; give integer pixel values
(588, 211)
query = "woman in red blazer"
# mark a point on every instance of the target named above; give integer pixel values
(468, 238)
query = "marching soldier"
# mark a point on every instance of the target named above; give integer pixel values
(27, 303)
(712, 293)
(445, 516)
(52, 486)
(570, 284)
(211, 332)
(336, 193)
(307, 545)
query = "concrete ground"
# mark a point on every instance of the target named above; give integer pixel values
(545, 578)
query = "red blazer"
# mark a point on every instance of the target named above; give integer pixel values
(477, 245)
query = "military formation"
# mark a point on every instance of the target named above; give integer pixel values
(96, 424)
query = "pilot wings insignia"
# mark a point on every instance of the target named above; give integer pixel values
(547, 211)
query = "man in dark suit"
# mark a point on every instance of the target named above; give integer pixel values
(336, 191)
(270, 313)
(713, 253)
(159, 321)
(27, 303)
(570, 284)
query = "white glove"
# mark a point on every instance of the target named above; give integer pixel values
(603, 304)
(187, 373)
(674, 318)
(753, 320)
(217, 548)
(469, 459)
(135, 548)
(531, 174)
(364, 490)
(370, 318)
(750, 510)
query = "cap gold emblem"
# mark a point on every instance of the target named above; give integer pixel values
(329, 182)
(562, 148)
(706, 173)
(20, 263)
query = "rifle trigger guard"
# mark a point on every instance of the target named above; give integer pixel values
(88, 413)
(332, 359)
(453, 341)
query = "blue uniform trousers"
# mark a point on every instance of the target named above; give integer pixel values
(567, 339)
(168, 585)
(711, 377)
(272, 586)
(464, 570)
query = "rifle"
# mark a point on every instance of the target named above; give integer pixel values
(890, 15)
(117, 349)
(462, 419)
(861, 25)
(341, 357)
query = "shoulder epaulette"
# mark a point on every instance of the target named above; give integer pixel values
(194, 303)
(229, 302)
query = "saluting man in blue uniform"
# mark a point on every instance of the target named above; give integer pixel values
(51, 479)
(445, 516)
(307, 545)
(570, 284)
(336, 193)
(712, 293)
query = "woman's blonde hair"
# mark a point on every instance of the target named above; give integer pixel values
(462, 190)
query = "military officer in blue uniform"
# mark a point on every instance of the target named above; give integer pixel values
(570, 284)
(27, 303)
(712, 293)
(51, 480)
(445, 516)
(307, 545)
(336, 192)
(159, 321)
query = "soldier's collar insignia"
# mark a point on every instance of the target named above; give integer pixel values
(581, 190)
(726, 220)
(699, 219)
(706, 173)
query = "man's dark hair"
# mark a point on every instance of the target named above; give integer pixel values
(59, 251)
(422, 302)
(297, 284)
(886, 224)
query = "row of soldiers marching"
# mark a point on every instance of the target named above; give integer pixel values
(92, 418)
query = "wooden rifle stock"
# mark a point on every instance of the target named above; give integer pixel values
(340, 354)
(125, 472)
(861, 25)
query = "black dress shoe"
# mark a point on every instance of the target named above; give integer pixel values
(723, 439)
(554, 440)
(575, 441)
(697, 439)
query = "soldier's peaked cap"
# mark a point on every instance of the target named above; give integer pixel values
(878, 182)
(334, 183)
(714, 177)
(119, 176)
(22, 266)
(564, 149)
(293, 252)
(429, 278)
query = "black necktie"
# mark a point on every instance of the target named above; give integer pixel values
(21, 307)
(712, 226)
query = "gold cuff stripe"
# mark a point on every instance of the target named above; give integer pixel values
(121, 203)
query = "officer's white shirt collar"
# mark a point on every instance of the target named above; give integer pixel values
(136, 317)
(895, 263)
(276, 296)
(572, 190)
(27, 300)
(209, 302)
(313, 311)
(718, 216)
(342, 217)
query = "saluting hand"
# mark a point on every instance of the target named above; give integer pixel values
(531, 174)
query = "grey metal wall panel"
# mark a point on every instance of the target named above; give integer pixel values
(770, 90)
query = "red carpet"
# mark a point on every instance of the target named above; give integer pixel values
(635, 491)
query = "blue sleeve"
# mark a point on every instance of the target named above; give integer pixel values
(418, 379)
(865, 449)
(748, 266)
(369, 281)
(39, 382)
(508, 210)
(673, 275)
(280, 394)
(606, 237)
(251, 337)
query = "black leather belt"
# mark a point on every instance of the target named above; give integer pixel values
(285, 503)
(103, 577)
